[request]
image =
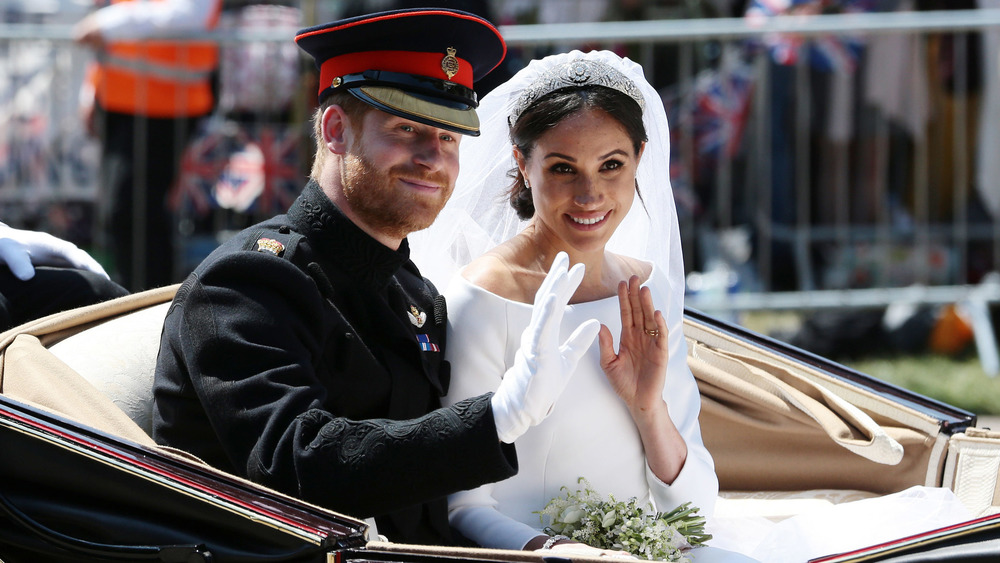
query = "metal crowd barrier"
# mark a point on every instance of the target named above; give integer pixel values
(880, 206)
(816, 237)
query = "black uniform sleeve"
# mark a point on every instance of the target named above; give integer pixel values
(252, 333)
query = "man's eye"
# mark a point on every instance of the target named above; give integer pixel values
(407, 128)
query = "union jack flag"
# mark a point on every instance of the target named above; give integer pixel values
(249, 169)
(827, 53)
(201, 164)
(722, 100)
(283, 178)
(707, 121)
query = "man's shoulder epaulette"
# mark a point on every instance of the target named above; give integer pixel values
(281, 242)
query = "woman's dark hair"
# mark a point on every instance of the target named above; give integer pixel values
(550, 110)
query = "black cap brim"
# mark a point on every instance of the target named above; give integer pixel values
(419, 109)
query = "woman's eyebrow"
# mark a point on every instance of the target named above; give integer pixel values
(570, 158)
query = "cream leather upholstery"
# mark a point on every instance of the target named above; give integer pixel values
(118, 357)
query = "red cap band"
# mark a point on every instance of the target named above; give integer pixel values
(407, 62)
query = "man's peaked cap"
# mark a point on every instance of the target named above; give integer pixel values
(419, 64)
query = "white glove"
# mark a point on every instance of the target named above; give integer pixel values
(22, 250)
(541, 367)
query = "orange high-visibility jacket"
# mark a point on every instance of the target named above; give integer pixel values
(157, 78)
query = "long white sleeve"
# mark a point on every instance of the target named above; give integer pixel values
(473, 513)
(138, 20)
(697, 481)
(476, 352)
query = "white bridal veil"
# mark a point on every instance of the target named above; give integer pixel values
(478, 216)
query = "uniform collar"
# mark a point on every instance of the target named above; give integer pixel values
(336, 236)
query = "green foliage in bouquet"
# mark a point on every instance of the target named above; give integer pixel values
(588, 518)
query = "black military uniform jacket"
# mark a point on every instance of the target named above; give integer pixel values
(306, 356)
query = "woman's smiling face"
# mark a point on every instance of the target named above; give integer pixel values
(582, 178)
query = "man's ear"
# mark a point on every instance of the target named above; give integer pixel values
(336, 129)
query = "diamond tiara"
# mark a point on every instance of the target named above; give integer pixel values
(580, 72)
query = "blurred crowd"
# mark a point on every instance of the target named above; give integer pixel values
(878, 108)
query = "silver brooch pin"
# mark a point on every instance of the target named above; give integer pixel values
(417, 317)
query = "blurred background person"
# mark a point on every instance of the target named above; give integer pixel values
(143, 98)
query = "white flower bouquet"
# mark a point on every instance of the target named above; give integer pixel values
(586, 517)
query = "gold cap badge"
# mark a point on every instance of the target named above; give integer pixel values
(449, 64)
(270, 246)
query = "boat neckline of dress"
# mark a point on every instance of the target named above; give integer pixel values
(464, 281)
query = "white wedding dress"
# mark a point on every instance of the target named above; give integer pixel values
(589, 434)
